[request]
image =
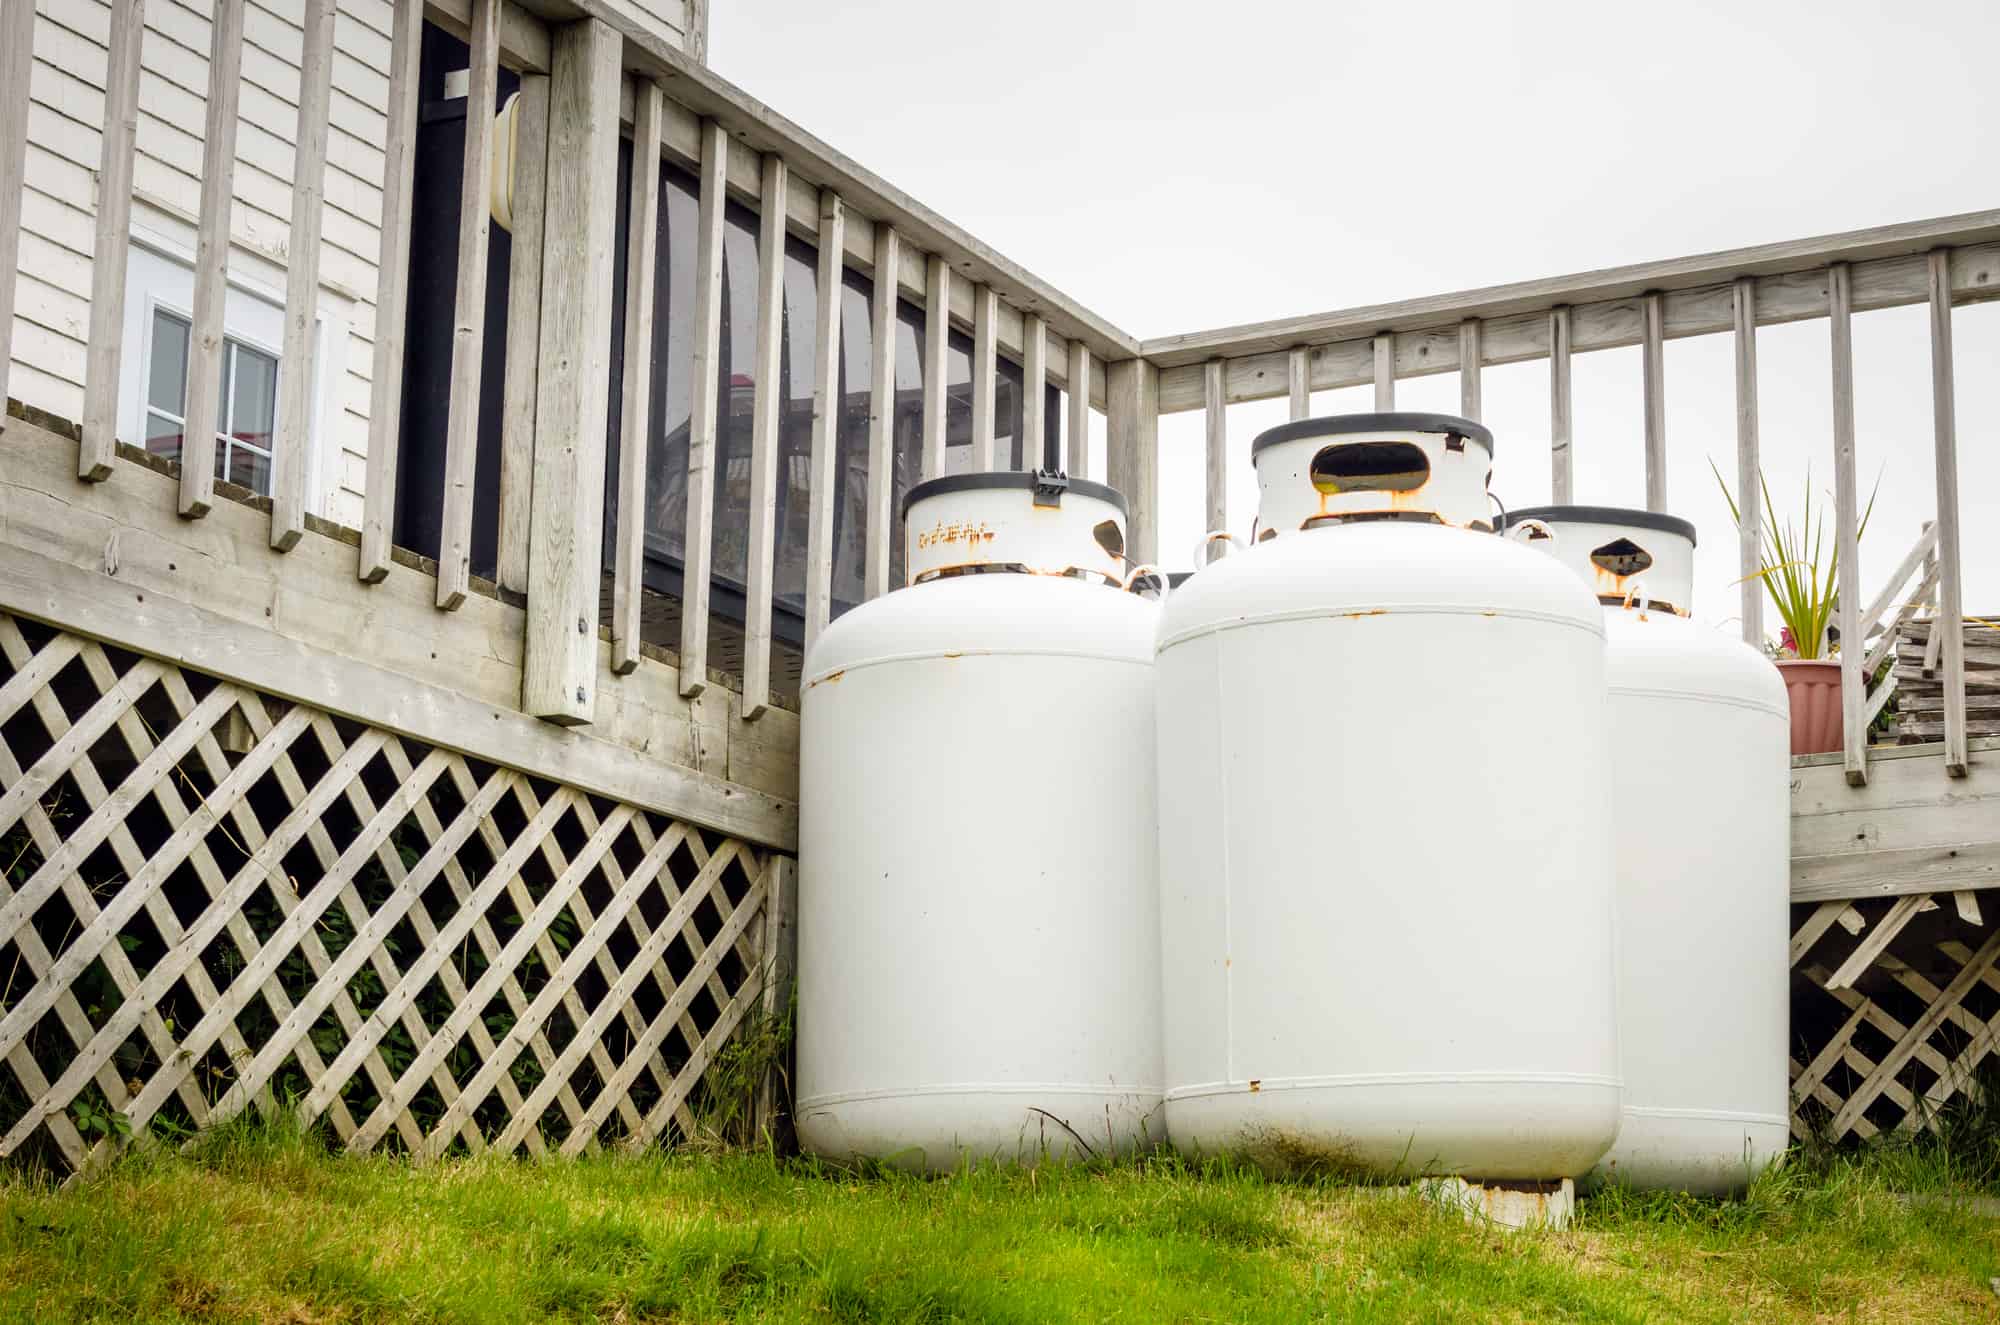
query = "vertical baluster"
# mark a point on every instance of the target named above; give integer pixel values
(1853, 697)
(1470, 354)
(937, 348)
(114, 238)
(468, 323)
(985, 374)
(1078, 454)
(1132, 451)
(1749, 474)
(392, 290)
(1217, 446)
(766, 420)
(524, 331)
(17, 61)
(1385, 371)
(1561, 463)
(1298, 385)
(289, 471)
(573, 390)
(1034, 393)
(882, 410)
(704, 399)
(635, 422)
(1655, 372)
(203, 390)
(822, 482)
(1950, 616)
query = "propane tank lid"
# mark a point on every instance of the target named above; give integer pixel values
(1621, 553)
(1431, 468)
(1042, 523)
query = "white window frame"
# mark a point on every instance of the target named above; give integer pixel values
(226, 405)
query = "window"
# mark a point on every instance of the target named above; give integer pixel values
(247, 412)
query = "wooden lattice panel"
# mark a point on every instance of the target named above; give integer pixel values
(1895, 1011)
(212, 900)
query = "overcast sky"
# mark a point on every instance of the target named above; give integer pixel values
(1176, 166)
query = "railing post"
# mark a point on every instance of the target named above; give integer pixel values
(937, 348)
(1034, 393)
(1077, 453)
(1470, 353)
(1853, 684)
(524, 332)
(1561, 464)
(985, 375)
(635, 423)
(882, 411)
(203, 389)
(572, 389)
(1385, 371)
(295, 376)
(767, 409)
(113, 240)
(1749, 475)
(1655, 373)
(705, 396)
(822, 476)
(1950, 616)
(17, 60)
(1298, 382)
(1217, 449)
(1133, 452)
(392, 292)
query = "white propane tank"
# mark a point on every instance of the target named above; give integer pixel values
(978, 966)
(1386, 896)
(1701, 811)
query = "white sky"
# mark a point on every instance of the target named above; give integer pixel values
(1176, 166)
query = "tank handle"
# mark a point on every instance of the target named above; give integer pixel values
(1209, 539)
(1500, 525)
(1536, 528)
(1637, 589)
(1166, 586)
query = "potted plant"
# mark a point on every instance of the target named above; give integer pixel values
(1801, 571)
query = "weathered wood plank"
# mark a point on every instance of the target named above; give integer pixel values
(1298, 382)
(1216, 450)
(572, 390)
(1562, 464)
(289, 450)
(113, 239)
(766, 412)
(778, 951)
(1385, 371)
(524, 332)
(822, 494)
(392, 295)
(883, 337)
(704, 408)
(1944, 416)
(635, 423)
(985, 376)
(1470, 400)
(203, 387)
(1847, 515)
(1133, 452)
(1034, 391)
(1076, 451)
(17, 60)
(468, 322)
(1654, 373)
(1749, 470)
(937, 348)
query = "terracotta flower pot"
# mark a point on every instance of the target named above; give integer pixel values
(1813, 685)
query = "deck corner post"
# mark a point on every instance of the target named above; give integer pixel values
(1132, 455)
(572, 390)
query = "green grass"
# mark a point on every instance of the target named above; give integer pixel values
(261, 1225)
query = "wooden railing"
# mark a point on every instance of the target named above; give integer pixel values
(584, 80)
(1943, 263)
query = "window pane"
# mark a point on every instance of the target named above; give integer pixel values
(250, 469)
(163, 436)
(166, 379)
(254, 411)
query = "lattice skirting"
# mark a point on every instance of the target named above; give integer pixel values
(212, 900)
(1895, 1010)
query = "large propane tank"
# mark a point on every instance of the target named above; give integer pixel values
(1700, 809)
(979, 967)
(1386, 896)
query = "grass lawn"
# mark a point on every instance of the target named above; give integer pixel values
(264, 1226)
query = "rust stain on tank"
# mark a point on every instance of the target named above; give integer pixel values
(1366, 611)
(833, 678)
(957, 531)
(1256, 1084)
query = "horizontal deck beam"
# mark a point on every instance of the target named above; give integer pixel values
(1910, 830)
